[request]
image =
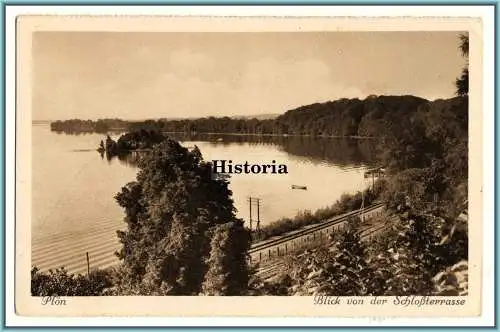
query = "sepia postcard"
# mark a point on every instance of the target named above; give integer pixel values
(250, 166)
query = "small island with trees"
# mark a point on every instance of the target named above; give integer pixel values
(139, 140)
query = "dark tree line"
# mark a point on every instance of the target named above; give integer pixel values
(99, 126)
(369, 117)
(340, 118)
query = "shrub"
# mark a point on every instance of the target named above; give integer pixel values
(411, 258)
(60, 283)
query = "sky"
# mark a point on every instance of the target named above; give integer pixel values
(139, 75)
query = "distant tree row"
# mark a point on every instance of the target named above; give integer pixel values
(342, 118)
(99, 126)
(369, 117)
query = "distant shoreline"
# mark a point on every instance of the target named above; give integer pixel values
(115, 130)
(274, 135)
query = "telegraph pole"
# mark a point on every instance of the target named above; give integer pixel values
(258, 214)
(373, 182)
(363, 206)
(250, 205)
(88, 264)
(257, 201)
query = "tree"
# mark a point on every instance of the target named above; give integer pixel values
(464, 44)
(171, 210)
(101, 148)
(406, 189)
(110, 145)
(228, 268)
(462, 83)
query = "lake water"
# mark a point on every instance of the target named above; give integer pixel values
(74, 210)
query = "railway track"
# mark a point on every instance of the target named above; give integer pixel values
(271, 268)
(282, 244)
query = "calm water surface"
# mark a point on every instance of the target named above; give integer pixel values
(73, 186)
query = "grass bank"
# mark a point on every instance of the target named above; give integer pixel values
(346, 203)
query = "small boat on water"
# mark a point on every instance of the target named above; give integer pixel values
(294, 186)
(220, 139)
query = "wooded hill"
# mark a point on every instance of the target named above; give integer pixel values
(368, 117)
(342, 118)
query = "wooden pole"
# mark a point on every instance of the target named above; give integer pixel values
(88, 264)
(250, 201)
(258, 213)
(363, 206)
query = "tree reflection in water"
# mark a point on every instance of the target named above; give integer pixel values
(342, 152)
(130, 158)
(339, 151)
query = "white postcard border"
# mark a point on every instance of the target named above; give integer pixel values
(488, 166)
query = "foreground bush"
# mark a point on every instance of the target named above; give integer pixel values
(60, 283)
(411, 258)
(453, 280)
